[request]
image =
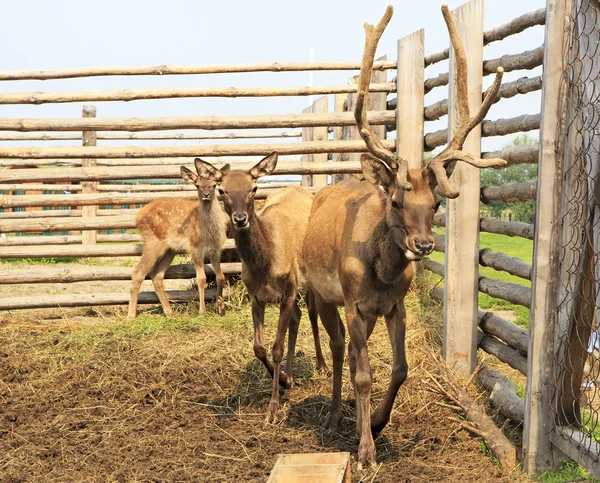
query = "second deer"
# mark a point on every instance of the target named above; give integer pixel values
(171, 225)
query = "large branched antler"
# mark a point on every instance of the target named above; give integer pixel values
(466, 123)
(375, 146)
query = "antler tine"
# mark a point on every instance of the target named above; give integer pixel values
(466, 124)
(375, 146)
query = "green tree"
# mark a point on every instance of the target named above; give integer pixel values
(522, 210)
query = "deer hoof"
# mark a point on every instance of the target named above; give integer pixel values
(221, 307)
(366, 454)
(272, 413)
(332, 421)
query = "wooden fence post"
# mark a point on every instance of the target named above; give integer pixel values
(88, 237)
(410, 98)
(539, 453)
(320, 134)
(462, 214)
(338, 134)
(307, 136)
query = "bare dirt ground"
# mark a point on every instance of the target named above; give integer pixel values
(85, 396)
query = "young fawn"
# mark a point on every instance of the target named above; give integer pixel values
(169, 225)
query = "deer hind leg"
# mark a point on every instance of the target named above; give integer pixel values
(292, 338)
(157, 274)
(335, 329)
(215, 261)
(359, 328)
(396, 326)
(286, 309)
(314, 325)
(201, 280)
(151, 252)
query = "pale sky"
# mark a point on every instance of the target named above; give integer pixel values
(41, 34)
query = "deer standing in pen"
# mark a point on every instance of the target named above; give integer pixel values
(270, 247)
(362, 236)
(169, 225)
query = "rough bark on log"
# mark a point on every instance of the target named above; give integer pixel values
(15, 241)
(503, 394)
(503, 262)
(125, 136)
(178, 93)
(85, 274)
(77, 251)
(500, 127)
(504, 353)
(511, 292)
(511, 334)
(524, 61)
(509, 192)
(159, 172)
(96, 299)
(187, 70)
(500, 227)
(285, 121)
(516, 155)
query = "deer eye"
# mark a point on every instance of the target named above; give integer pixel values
(221, 192)
(395, 204)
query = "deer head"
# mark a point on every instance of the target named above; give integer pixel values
(411, 195)
(206, 187)
(237, 188)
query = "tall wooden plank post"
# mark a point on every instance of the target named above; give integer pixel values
(539, 453)
(88, 237)
(339, 101)
(462, 214)
(307, 136)
(410, 103)
(320, 106)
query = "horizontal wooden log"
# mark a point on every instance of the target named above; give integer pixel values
(500, 227)
(39, 187)
(286, 121)
(511, 334)
(78, 251)
(500, 127)
(524, 61)
(503, 394)
(505, 354)
(103, 199)
(513, 27)
(507, 90)
(188, 70)
(93, 152)
(21, 215)
(527, 154)
(67, 224)
(97, 299)
(433, 266)
(496, 260)
(184, 92)
(86, 274)
(511, 292)
(153, 136)
(15, 241)
(490, 323)
(509, 192)
(161, 172)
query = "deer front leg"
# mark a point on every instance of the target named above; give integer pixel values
(292, 338)
(285, 312)
(215, 261)
(260, 351)
(201, 280)
(358, 330)
(396, 327)
(314, 325)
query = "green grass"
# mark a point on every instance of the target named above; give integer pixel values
(569, 472)
(513, 246)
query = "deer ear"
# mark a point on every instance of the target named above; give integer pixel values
(225, 169)
(188, 175)
(265, 166)
(376, 172)
(207, 171)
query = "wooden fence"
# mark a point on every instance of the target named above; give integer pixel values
(321, 144)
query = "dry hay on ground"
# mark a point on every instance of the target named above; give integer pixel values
(185, 399)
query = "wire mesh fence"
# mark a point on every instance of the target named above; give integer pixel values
(577, 335)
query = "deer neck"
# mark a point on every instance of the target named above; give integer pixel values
(254, 246)
(390, 261)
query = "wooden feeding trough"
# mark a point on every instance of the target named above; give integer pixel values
(311, 467)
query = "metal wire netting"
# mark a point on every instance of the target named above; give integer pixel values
(577, 372)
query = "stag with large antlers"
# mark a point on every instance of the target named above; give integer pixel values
(362, 236)
(270, 247)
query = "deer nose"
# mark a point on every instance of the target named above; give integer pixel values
(424, 247)
(240, 219)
